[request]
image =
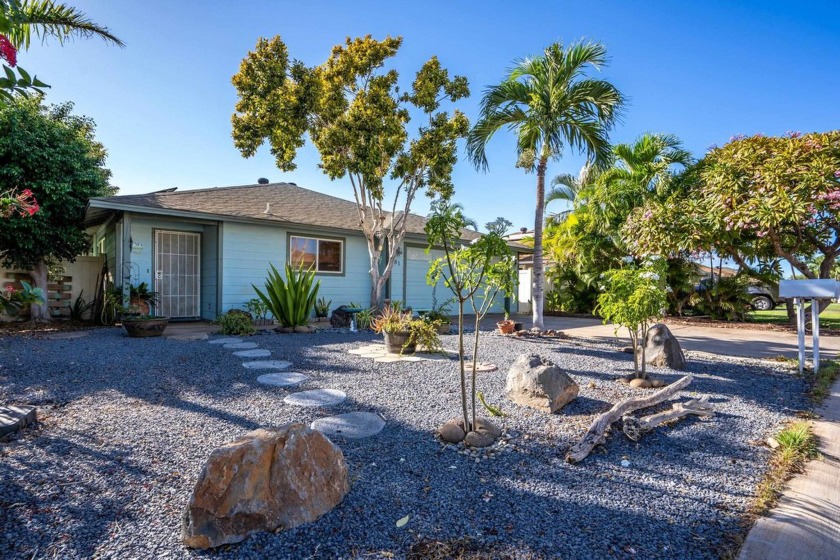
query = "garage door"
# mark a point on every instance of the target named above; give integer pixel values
(418, 294)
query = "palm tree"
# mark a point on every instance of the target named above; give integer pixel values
(641, 170)
(568, 188)
(551, 104)
(20, 19)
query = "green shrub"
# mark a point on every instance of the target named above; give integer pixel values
(292, 300)
(236, 323)
(726, 298)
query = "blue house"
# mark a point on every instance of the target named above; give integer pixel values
(202, 250)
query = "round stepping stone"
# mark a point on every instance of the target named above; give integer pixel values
(353, 425)
(282, 379)
(482, 367)
(316, 397)
(267, 364)
(259, 353)
(240, 345)
(224, 341)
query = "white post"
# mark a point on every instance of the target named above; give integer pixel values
(800, 331)
(815, 327)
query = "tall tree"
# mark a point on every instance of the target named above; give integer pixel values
(21, 19)
(358, 119)
(754, 200)
(551, 104)
(52, 154)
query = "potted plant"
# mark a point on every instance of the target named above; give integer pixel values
(139, 325)
(506, 326)
(141, 297)
(322, 308)
(403, 333)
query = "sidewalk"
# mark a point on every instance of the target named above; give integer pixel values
(805, 525)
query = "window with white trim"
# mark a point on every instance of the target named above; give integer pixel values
(323, 255)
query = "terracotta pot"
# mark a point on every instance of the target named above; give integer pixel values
(144, 328)
(141, 304)
(396, 343)
(444, 329)
(506, 327)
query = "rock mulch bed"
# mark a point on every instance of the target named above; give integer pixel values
(126, 425)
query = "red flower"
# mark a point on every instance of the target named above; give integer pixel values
(8, 51)
(32, 209)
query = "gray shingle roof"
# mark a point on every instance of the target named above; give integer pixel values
(274, 202)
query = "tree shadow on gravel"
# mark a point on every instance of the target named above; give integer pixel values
(518, 504)
(66, 515)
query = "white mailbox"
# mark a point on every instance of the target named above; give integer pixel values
(800, 291)
(809, 289)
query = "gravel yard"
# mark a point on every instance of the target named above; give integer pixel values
(126, 425)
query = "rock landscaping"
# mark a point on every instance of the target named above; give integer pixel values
(126, 427)
(264, 481)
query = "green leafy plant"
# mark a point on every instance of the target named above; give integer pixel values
(475, 273)
(81, 309)
(322, 307)
(634, 298)
(12, 300)
(141, 296)
(235, 323)
(725, 297)
(257, 309)
(394, 320)
(364, 318)
(292, 300)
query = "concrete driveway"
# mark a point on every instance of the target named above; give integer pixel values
(731, 342)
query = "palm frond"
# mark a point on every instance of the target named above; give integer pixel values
(45, 18)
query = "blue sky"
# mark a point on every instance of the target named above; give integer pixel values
(704, 71)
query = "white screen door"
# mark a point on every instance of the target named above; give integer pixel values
(178, 273)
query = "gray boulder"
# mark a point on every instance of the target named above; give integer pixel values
(537, 382)
(264, 481)
(662, 348)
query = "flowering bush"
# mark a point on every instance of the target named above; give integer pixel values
(634, 298)
(755, 198)
(23, 204)
(8, 51)
(11, 300)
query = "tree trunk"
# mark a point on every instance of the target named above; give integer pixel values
(461, 365)
(40, 278)
(596, 434)
(538, 282)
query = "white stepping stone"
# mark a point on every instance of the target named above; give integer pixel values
(267, 364)
(282, 379)
(224, 341)
(259, 353)
(316, 397)
(353, 425)
(240, 345)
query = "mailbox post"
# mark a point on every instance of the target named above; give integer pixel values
(801, 291)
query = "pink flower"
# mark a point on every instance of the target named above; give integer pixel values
(793, 134)
(8, 51)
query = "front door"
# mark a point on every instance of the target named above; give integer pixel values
(178, 273)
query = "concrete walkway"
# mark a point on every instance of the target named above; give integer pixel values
(805, 525)
(751, 343)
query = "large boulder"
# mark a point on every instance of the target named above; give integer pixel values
(662, 348)
(266, 480)
(537, 382)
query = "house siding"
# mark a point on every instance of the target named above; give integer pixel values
(249, 249)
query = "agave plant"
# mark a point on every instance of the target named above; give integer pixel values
(291, 300)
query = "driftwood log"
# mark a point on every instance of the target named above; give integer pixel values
(596, 434)
(634, 428)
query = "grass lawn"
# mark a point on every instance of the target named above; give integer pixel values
(829, 319)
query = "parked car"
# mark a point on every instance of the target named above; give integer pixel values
(764, 297)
